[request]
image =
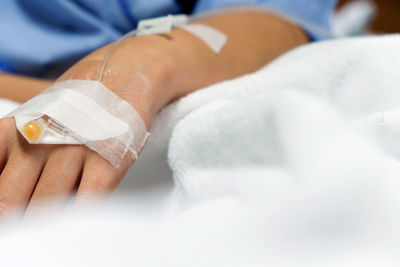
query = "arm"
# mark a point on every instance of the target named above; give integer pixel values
(175, 64)
(21, 88)
(180, 63)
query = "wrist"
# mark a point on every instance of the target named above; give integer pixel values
(152, 68)
(138, 71)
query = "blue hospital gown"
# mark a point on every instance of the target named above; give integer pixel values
(40, 35)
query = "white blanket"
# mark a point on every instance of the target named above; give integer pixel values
(296, 164)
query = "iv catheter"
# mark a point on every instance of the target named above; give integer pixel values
(34, 129)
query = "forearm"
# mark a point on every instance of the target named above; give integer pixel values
(179, 63)
(254, 39)
(21, 88)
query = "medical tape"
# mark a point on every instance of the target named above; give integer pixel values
(212, 37)
(83, 112)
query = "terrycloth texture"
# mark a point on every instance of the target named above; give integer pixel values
(273, 119)
(295, 165)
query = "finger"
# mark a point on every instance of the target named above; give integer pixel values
(99, 177)
(19, 178)
(3, 153)
(7, 125)
(59, 178)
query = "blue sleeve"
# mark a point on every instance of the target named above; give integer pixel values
(6, 67)
(313, 16)
(40, 36)
(44, 37)
(37, 34)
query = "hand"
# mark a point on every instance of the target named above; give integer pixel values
(32, 175)
(35, 174)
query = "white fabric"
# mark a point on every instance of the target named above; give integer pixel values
(267, 119)
(277, 168)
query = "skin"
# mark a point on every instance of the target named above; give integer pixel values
(21, 88)
(175, 65)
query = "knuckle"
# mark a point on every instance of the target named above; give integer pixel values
(72, 151)
(7, 124)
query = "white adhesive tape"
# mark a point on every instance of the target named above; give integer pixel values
(84, 112)
(214, 38)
